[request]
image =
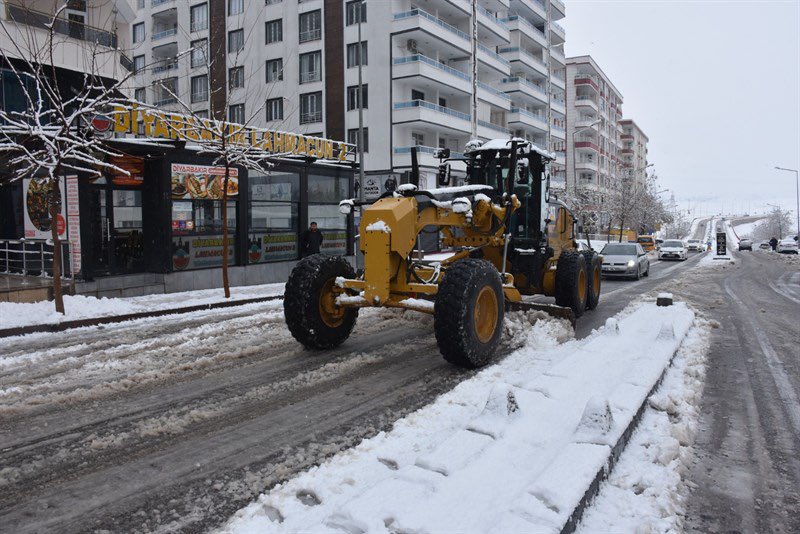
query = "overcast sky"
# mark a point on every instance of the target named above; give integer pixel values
(715, 85)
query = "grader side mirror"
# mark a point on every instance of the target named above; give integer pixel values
(444, 174)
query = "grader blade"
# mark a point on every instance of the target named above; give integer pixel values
(561, 312)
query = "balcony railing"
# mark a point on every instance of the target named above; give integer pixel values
(525, 22)
(311, 116)
(310, 76)
(492, 126)
(434, 107)
(494, 91)
(530, 114)
(170, 65)
(557, 128)
(70, 28)
(164, 34)
(524, 52)
(311, 35)
(492, 17)
(425, 150)
(433, 63)
(156, 3)
(535, 88)
(165, 101)
(428, 16)
(558, 27)
(493, 54)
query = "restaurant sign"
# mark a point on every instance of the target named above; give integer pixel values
(160, 124)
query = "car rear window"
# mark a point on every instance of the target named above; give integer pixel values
(619, 250)
(645, 240)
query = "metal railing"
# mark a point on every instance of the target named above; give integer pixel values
(425, 150)
(435, 20)
(433, 63)
(156, 3)
(310, 35)
(525, 22)
(500, 22)
(434, 107)
(310, 76)
(494, 91)
(492, 126)
(531, 115)
(526, 83)
(313, 116)
(170, 65)
(33, 257)
(70, 28)
(558, 27)
(164, 34)
(524, 52)
(493, 54)
(166, 101)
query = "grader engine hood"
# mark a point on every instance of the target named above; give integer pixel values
(388, 233)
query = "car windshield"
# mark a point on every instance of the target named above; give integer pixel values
(694, 241)
(673, 244)
(619, 249)
(645, 240)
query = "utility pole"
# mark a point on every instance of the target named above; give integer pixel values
(474, 122)
(360, 107)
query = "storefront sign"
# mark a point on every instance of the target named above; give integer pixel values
(203, 182)
(202, 251)
(174, 126)
(74, 222)
(377, 184)
(273, 246)
(37, 215)
(335, 243)
(132, 164)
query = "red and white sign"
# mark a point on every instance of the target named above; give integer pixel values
(74, 227)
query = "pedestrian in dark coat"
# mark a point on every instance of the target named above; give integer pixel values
(773, 243)
(311, 241)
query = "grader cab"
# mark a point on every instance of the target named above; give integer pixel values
(508, 239)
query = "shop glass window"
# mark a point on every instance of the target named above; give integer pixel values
(311, 67)
(311, 107)
(274, 31)
(355, 53)
(273, 217)
(356, 10)
(198, 17)
(324, 194)
(128, 240)
(199, 51)
(197, 234)
(310, 26)
(274, 70)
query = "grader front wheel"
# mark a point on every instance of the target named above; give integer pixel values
(309, 302)
(468, 313)
(572, 284)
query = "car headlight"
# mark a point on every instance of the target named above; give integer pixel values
(631, 263)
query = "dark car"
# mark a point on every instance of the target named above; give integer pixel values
(745, 244)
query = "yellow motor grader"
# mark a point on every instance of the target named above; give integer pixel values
(508, 238)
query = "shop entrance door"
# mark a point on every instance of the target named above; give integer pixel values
(116, 228)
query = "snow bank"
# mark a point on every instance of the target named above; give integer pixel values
(16, 314)
(512, 449)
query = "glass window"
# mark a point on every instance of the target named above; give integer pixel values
(141, 95)
(198, 17)
(138, 32)
(354, 9)
(236, 77)
(352, 138)
(352, 97)
(311, 107)
(310, 26)
(235, 7)
(199, 88)
(275, 109)
(311, 67)
(274, 31)
(236, 113)
(199, 51)
(235, 41)
(326, 188)
(197, 234)
(274, 70)
(353, 55)
(273, 217)
(324, 194)
(138, 64)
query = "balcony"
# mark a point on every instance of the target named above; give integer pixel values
(165, 67)
(426, 156)
(311, 116)
(586, 81)
(559, 11)
(163, 34)
(422, 111)
(515, 53)
(558, 106)
(517, 23)
(558, 81)
(492, 59)
(586, 145)
(514, 83)
(443, 75)
(558, 56)
(489, 130)
(497, 28)
(427, 25)
(156, 3)
(558, 132)
(68, 28)
(557, 33)
(493, 96)
(533, 7)
(588, 122)
(528, 118)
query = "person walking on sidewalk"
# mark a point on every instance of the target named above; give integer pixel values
(311, 241)
(773, 243)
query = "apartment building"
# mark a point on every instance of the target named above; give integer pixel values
(594, 109)
(293, 65)
(633, 151)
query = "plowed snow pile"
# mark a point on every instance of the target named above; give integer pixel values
(512, 449)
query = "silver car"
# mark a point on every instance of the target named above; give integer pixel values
(625, 259)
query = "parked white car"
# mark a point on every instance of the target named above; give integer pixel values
(788, 245)
(673, 249)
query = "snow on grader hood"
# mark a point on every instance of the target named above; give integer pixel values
(504, 246)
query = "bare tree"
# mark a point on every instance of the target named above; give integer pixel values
(777, 224)
(52, 135)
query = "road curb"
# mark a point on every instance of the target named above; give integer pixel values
(616, 451)
(111, 319)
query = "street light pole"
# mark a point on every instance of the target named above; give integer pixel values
(797, 189)
(360, 107)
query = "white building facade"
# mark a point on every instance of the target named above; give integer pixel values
(633, 150)
(293, 65)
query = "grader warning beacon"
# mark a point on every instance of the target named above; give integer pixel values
(508, 236)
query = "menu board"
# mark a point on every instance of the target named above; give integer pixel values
(202, 182)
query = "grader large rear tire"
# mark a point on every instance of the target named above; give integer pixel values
(594, 269)
(468, 313)
(309, 302)
(572, 287)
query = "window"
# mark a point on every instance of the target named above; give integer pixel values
(274, 70)
(352, 138)
(353, 56)
(197, 232)
(198, 17)
(165, 91)
(354, 9)
(199, 51)
(275, 109)
(274, 31)
(310, 26)
(443, 102)
(417, 95)
(236, 113)
(138, 32)
(235, 41)
(140, 95)
(236, 77)
(203, 114)
(140, 4)
(324, 193)
(353, 100)
(235, 7)
(417, 139)
(199, 88)
(311, 67)
(273, 217)
(311, 107)
(138, 64)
